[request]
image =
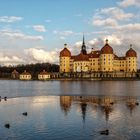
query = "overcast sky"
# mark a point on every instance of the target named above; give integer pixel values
(34, 31)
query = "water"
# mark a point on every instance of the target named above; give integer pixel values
(92, 106)
(70, 117)
(15, 88)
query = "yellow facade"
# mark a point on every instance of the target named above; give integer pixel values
(81, 66)
(103, 60)
(106, 62)
(131, 64)
(64, 64)
(25, 77)
(43, 77)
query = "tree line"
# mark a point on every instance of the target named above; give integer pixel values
(34, 69)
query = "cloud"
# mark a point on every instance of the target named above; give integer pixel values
(63, 33)
(105, 22)
(10, 60)
(10, 19)
(40, 55)
(39, 28)
(113, 39)
(62, 37)
(127, 3)
(78, 44)
(129, 27)
(116, 13)
(19, 35)
(110, 17)
(95, 43)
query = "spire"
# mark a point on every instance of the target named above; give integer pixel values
(83, 47)
(83, 39)
(130, 46)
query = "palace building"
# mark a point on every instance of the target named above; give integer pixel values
(104, 60)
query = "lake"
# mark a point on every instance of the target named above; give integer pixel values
(70, 118)
(70, 110)
(15, 88)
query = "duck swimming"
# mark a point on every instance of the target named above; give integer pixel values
(104, 132)
(7, 125)
(25, 113)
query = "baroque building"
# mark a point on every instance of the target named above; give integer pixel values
(25, 76)
(44, 75)
(104, 60)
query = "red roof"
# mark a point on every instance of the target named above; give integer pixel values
(25, 73)
(44, 73)
(73, 57)
(131, 53)
(119, 58)
(65, 52)
(14, 72)
(107, 49)
(81, 57)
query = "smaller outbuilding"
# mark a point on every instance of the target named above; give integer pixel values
(15, 74)
(25, 76)
(44, 75)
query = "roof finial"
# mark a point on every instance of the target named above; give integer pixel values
(65, 45)
(106, 41)
(130, 46)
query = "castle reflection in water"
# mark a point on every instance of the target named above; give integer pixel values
(105, 104)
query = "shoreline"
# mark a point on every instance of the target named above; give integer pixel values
(82, 79)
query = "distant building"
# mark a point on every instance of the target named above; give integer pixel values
(104, 60)
(25, 76)
(44, 75)
(15, 74)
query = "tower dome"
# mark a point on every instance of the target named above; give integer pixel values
(131, 52)
(107, 49)
(65, 52)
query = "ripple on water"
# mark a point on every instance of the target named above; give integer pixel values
(47, 120)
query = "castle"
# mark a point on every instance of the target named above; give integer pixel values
(104, 60)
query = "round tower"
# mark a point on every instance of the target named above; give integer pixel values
(131, 60)
(65, 56)
(106, 58)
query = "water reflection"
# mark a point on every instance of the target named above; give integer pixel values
(70, 117)
(105, 104)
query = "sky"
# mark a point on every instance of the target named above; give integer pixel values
(35, 31)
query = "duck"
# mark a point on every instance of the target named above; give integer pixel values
(7, 125)
(104, 132)
(5, 98)
(136, 103)
(25, 113)
(112, 103)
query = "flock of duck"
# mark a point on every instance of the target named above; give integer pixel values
(7, 125)
(103, 132)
